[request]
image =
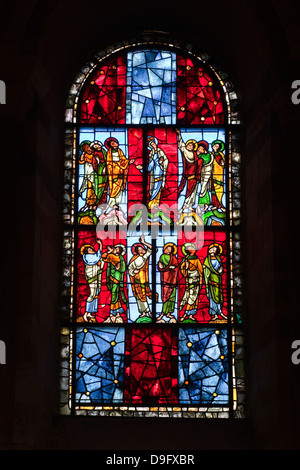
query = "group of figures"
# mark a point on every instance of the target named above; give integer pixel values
(193, 271)
(106, 170)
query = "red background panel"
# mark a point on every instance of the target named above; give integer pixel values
(104, 96)
(150, 366)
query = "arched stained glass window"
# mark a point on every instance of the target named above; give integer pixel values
(151, 310)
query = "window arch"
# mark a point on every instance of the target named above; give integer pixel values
(151, 305)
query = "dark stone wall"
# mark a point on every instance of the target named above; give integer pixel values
(42, 47)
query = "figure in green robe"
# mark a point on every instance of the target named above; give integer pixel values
(213, 272)
(99, 153)
(116, 266)
(168, 267)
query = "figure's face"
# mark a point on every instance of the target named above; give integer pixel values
(213, 250)
(87, 149)
(201, 149)
(114, 144)
(141, 251)
(168, 250)
(90, 250)
(97, 147)
(190, 146)
(216, 147)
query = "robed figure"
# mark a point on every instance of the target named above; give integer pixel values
(207, 196)
(91, 256)
(213, 272)
(138, 269)
(168, 267)
(218, 170)
(192, 270)
(116, 267)
(102, 180)
(117, 168)
(191, 176)
(90, 177)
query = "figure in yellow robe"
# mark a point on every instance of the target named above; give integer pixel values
(138, 270)
(192, 270)
(218, 170)
(117, 168)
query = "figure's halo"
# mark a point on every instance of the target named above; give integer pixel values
(172, 245)
(192, 141)
(218, 246)
(83, 247)
(186, 247)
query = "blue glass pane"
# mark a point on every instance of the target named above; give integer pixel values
(203, 367)
(99, 365)
(151, 87)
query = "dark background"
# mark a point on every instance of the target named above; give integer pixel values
(43, 45)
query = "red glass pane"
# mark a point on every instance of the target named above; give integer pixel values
(199, 100)
(150, 366)
(103, 100)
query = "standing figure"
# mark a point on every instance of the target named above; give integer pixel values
(138, 270)
(91, 256)
(168, 267)
(207, 196)
(191, 175)
(191, 268)
(218, 170)
(117, 168)
(157, 167)
(213, 271)
(100, 156)
(116, 267)
(90, 178)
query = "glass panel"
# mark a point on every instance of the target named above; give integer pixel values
(203, 278)
(202, 176)
(203, 366)
(151, 87)
(103, 172)
(103, 99)
(199, 99)
(151, 366)
(99, 365)
(101, 277)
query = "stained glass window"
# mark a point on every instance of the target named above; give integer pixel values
(152, 321)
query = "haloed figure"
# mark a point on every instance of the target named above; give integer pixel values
(157, 168)
(168, 267)
(116, 267)
(90, 178)
(100, 156)
(218, 170)
(91, 256)
(117, 168)
(191, 175)
(213, 272)
(138, 270)
(191, 268)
